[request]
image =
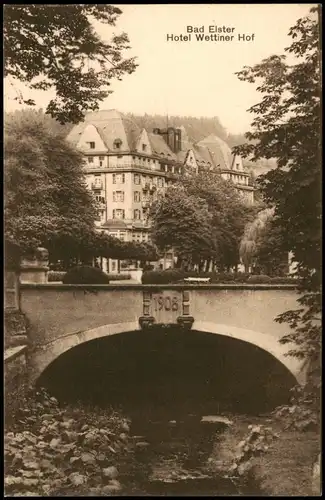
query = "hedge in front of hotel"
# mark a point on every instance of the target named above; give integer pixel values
(172, 276)
(57, 276)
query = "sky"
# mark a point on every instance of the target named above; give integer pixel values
(192, 78)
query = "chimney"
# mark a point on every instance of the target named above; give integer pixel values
(172, 137)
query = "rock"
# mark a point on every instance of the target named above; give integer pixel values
(172, 422)
(112, 487)
(125, 427)
(110, 472)
(316, 484)
(216, 419)
(142, 444)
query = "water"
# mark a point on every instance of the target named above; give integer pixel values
(173, 457)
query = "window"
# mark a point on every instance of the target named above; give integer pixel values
(137, 196)
(144, 147)
(237, 166)
(91, 145)
(118, 213)
(118, 196)
(160, 182)
(137, 214)
(90, 159)
(118, 178)
(98, 182)
(117, 144)
(122, 236)
(137, 179)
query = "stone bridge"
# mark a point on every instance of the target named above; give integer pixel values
(61, 317)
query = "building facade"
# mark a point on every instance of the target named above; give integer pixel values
(126, 168)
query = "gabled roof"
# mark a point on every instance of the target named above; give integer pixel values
(219, 151)
(202, 155)
(160, 148)
(111, 125)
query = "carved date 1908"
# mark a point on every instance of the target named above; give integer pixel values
(165, 302)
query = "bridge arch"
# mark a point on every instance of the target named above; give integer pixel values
(44, 355)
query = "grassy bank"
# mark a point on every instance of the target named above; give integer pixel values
(285, 469)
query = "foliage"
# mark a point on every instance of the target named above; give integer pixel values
(228, 212)
(177, 276)
(46, 200)
(303, 412)
(55, 276)
(161, 277)
(202, 218)
(85, 275)
(287, 127)
(181, 222)
(51, 451)
(253, 230)
(259, 278)
(257, 442)
(50, 46)
(270, 256)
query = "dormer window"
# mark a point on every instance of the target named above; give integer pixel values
(144, 147)
(91, 145)
(237, 166)
(117, 144)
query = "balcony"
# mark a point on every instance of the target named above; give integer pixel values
(97, 185)
(146, 186)
(130, 166)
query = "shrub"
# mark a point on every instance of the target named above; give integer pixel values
(162, 277)
(177, 275)
(287, 280)
(148, 267)
(259, 278)
(85, 275)
(55, 276)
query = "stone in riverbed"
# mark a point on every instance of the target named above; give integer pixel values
(113, 486)
(172, 422)
(142, 444)
(216, 419)
(110, 472)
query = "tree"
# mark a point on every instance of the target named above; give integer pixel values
(271, 259)
(182, 222)
(56, 46)
(253, 230)
(202, 218)
(287, 126)
(229, 214)
(47, 202)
